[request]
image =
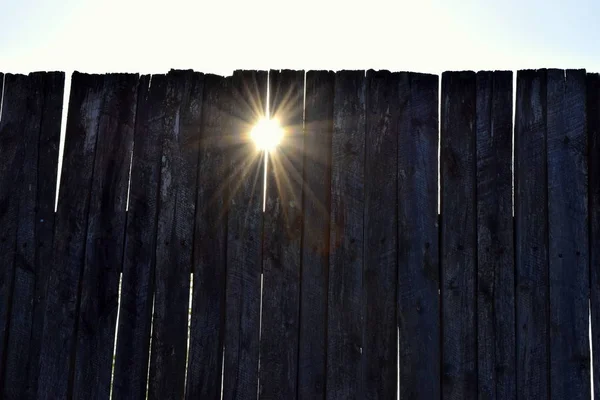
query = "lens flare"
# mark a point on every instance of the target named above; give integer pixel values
(267, 134)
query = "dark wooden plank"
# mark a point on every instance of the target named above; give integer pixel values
(381, 235)
(531, 237)
(54, 85)
(318, 127)
(568, 235)
(458, 236)
(345, 323)
(208, 297)
(12, 132)
(418, 238)
(495, 250)
(104, 241)
(34, 235)
(244, 239)
(593, 132)
(282, 241)
(174, 242)
(58, 340)
(137, 285)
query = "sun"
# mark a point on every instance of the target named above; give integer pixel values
(267, 134)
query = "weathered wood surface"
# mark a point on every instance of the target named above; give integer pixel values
(71, 225)
(12, 131)
(35, 231)
(104, 241)
(137, 284)
(244, 238)
(345, 339)
(282, 241)
(495, 249)
(380, 346)
(210, 237)
(418, 240)
(531, 237)
(593, 137)
(458, 236)
(174, 241)
(568, 235)
(318, 122)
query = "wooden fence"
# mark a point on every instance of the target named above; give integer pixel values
(351, 285)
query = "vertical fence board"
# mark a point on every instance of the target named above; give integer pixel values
(418, 238)
(531, 239)
(318, 117)
(345, 361)
(208, 297)
(568, 235)
(176, 214)
(47, 164)
(12, 132)
(282, 242)
(58, 341)
(35, 221)
(458, 236)
(133, 338)
(593, 131)
(244, 239)
(495, 251)
(104, 241)
(380, 235)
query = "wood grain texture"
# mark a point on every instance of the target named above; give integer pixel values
(282, 241)
(531, 239)
(105, 238)
(418, 238)
(71, 223)
(316, 193)
(345, 341)
(458, 236)
(35, 229)
(210, 251)
(174, 242)
(12, 131)
(54, 85)
(495, 250)
(593, 132)
(137, 286)
(244, 238)
(568, 235)
(381, 235)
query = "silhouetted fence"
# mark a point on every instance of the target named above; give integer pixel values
(351, 284)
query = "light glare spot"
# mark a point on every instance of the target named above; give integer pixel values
(267, 134)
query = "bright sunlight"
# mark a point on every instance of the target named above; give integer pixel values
(267, 134)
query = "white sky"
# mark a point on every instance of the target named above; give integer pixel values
(223, 35)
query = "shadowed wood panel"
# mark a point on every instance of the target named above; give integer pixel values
(380, 235)
(418, 237)
(71, 225)
(104, 241)
(345, 335)
(458, 236)
(568, 235)
(531, 237)
(35, 231)
(495, 250)
(175, 234)
(208, 298)
(244, 238)
(282, 241)
(318, 118)
(593, 132)
(12, 147)
(137, 286)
